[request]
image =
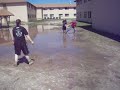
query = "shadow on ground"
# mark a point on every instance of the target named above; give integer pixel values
(103, 33)
(23, 60)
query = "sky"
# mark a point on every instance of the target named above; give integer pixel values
(51, 1)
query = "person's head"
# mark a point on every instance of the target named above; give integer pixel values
(18, 22)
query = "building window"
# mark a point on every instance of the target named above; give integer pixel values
(80, 15)
(4, 5)
(66, 15)
(51, 16)
(45, 15)
(85, 1)
(44, 8)
(85, 14)
(51, 8)
(60, 8)
(32, 7)
(29, 5)
(66, 8)
(28, 16)
(74, 8)
(89, 14)
(60, 16)
(79, 2)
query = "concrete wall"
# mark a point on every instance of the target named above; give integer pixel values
(56, 13)
(84, 8)
(106, 15)
(19, 10)
(39, 14)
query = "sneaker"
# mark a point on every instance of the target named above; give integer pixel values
(30, 62)
(32, 59)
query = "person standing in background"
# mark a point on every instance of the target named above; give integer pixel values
(72, 26)
(64, 23)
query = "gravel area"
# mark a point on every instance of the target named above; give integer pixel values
(80, 61)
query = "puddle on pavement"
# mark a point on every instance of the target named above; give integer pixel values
(48, 39)
(49, 42)
(6, 33)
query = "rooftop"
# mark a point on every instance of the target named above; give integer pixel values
(12, 1)
(54, 5)
(4, 12)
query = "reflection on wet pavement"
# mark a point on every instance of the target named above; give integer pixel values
(80, 61)
(5, 36)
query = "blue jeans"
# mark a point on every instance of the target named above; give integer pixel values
(70, 29)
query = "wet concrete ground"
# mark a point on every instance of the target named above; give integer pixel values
(80, 61)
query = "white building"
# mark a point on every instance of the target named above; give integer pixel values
(20, 8)
(105, 14)
(26, 11)
(56, 11)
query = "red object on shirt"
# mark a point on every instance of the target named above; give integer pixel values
(73, 24)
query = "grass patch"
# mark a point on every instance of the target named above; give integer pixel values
(79, 24)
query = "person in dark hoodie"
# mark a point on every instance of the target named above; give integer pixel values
(19, 34)
(64, 22)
